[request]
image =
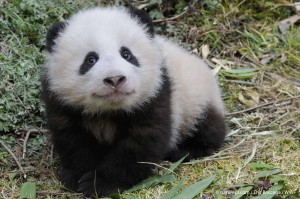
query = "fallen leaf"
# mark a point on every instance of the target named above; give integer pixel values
(205, 51)
(268, 59)
(285, 24)
(253, 95)
(220, 63)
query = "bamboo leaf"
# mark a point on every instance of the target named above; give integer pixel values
(193, 190)
(240, 76)
(242, 191)
(28, 190)
(241, 71)
(152, 181)
(270, 193)
(170, 194)
(267, 173)
(176, 164)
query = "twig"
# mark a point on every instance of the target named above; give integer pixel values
(207, 159)
(229, 148)
(157, 166)
(14, 157)
(27, 137)
(214, 157)
(251, 156)
(262, 105)
(171, 18)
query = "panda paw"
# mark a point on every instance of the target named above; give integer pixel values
(91, 185)
(69, 178)
(86, 184)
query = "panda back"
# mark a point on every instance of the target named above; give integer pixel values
(194, 87)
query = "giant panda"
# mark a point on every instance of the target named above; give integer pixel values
(116, 95)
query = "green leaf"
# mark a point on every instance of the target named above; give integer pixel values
(170, 194)
(267, 173)
(176, 164)
(193, 190)
(152, 181)
(270, 193)
(28, 190)
(130, 197)
(240, 76)
(242, 185)
(72, 197)
(274, 180)
(241, 70)
(256, 165)
(242, 73)
(242, 191)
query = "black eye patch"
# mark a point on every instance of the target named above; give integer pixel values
(128, 56)
(89, 61)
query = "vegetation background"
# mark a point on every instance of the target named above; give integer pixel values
(253, 46)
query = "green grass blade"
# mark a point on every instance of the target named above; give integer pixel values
(170, 194)
(256, 165)
(152, 181)
(270, 193)
(193, 190)
(242, 191)
(28, 190)
(267, 173)
(175, 165)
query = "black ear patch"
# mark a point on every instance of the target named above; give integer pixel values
(52, 34)
(144, 18)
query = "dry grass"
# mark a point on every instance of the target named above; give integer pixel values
(239, 34)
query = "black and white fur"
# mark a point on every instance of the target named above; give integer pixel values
(116, 94)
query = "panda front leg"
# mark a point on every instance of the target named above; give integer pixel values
(120, 169)
(78, 154)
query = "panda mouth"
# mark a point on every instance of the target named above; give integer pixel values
(113, 95)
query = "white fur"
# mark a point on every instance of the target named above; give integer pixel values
(194, 88)
(104, 31)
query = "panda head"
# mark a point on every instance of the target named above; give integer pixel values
(103, 59)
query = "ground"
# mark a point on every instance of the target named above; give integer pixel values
(254, 54)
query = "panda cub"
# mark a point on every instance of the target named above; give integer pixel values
(116, 95)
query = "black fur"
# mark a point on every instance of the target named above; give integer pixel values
(99, 167)
(86, 65)
(133, 60)
(208, 135)
(52, 34)
(58, 27)
(143, 136)
(144, 18)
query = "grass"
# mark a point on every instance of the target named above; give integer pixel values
(239, 34)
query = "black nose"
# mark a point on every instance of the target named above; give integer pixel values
(115, 82)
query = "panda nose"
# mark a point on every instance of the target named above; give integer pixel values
(115, 81)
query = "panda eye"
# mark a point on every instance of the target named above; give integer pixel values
(91, 60)
(126, 55)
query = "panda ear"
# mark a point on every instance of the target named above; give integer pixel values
(52, 34)
(144, 18)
